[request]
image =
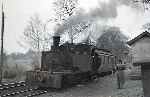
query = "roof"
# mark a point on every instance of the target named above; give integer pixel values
(144, 34)
(105, 50)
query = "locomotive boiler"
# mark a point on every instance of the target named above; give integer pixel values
(70, 64)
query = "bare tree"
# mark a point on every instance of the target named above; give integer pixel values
(146, 6)
(36, 34)
(113, 40)
(146, 26)
(69, 20)
(64, 9)
(76, 30)
(145, 3)
(37, 37)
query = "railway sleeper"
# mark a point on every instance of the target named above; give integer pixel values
(14, 83)
(36, 94)
(18, 92)
(12, 86)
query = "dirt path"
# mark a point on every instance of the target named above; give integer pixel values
(103, 87)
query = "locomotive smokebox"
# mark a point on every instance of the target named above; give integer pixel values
(56, 40)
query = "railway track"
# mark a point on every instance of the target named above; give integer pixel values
(19, 89)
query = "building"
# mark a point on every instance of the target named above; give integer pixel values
(140, 50)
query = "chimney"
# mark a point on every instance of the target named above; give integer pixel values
(56, 40)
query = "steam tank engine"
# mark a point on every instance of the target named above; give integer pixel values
(67, 64)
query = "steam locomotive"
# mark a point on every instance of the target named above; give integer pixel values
(69, 64)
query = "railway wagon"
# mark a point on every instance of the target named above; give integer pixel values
(68, 64)
(108, 61)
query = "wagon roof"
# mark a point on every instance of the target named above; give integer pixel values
(144, 34)
(103, 52)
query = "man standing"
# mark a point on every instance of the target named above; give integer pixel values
(120, 75)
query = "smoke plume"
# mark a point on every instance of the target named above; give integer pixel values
(104, 11)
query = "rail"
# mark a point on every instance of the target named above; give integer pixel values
(19, 88)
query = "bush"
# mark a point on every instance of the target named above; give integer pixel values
(9, 74)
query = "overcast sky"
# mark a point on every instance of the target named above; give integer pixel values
(18, 12)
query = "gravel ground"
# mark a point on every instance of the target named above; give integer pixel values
(103, 87)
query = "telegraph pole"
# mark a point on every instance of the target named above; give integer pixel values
(2, 53)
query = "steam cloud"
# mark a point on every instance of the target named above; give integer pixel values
(103, 11)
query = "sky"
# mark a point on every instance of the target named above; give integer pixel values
(18, 13)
